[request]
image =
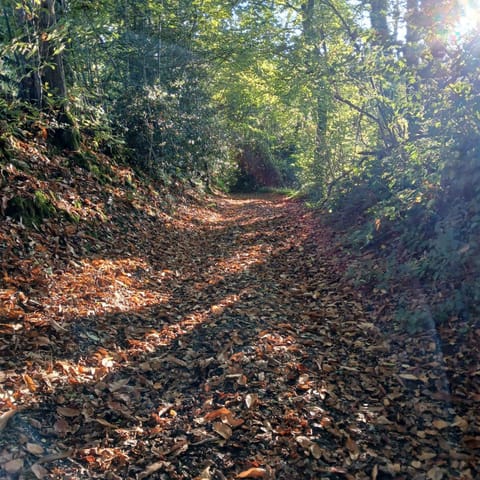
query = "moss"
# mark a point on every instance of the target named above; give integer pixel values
(88, 161)
(31, 210)
(67, 134)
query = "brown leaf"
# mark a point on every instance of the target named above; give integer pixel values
(35, 448)
(304, 442)
(13, 466)
(440, 424)
(68, 412)
(5, 417)
(253, 473)
(205, 474)
(223, 430)
(154, 467)
(436, 473)
(251, 400)
(105, 423)
(39, 471)
(409, 376)
(316, 451)
(62, 427)
(115, 386)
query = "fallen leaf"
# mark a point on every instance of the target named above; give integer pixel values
(105, 423)
(31, 385)
(13, 466)
(223, 430)
(68, 412)
(154, 467)
(304, 442)
(217, 414)
(440, 424)
(39, 471)
(436, 473)
(251, 400)
(35, 448)
(409, 376)
(5, 417)
(115, 386)
(204, 475)
(253, 473)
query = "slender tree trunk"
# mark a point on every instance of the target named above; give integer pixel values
(312, 33)
(53, 73)
(378, 20)
(412, 59)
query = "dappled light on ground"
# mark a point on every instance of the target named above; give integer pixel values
(228, 346)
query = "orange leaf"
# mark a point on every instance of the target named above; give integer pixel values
(32, 386)
(253, 473)
(217, 414)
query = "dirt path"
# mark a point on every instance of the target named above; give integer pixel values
(220, 344)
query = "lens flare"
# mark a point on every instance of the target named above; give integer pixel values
(469, 17)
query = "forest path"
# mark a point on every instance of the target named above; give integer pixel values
(224, 344)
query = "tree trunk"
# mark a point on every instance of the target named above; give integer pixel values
(378, 20)
(312, 34)
(53, 72)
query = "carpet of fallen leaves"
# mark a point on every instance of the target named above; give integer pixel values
(216, 341)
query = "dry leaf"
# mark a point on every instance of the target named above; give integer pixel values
(31, 385)
(436, 473)
(233, 422)
(105, 423)
(304, 442)
(223, 430)
(409, 376)
(154, 467)
(440, 424)
(35, 448)
(113, 387)
(253, 473)
(5, 417)
(205, 475)
(217, 414)
(316, 451)
(461, 423)
(62, 427)
(39, 471)
(68, 412)
(251, 400)
(13, 466)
